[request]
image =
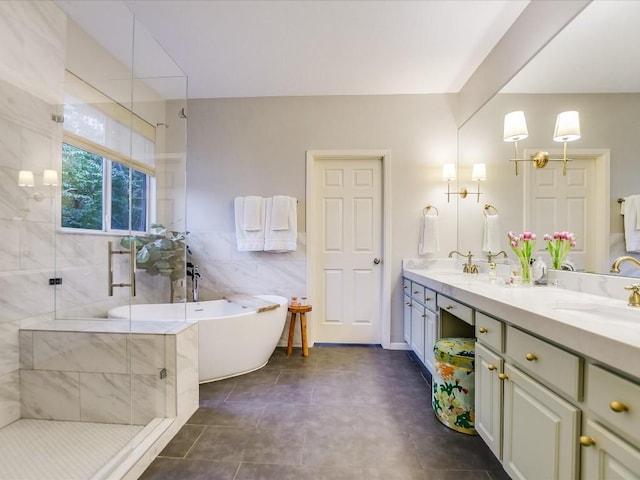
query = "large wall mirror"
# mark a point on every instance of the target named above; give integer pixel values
(588, 67)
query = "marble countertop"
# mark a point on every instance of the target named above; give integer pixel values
(604, 329)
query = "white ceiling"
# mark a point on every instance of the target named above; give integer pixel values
(332, 47)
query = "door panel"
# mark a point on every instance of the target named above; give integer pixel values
(350, 224)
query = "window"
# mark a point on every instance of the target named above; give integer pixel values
(108, 162)
(95, 192)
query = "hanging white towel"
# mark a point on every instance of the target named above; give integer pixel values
(280, 212)
(632, 223)
(247, 240)
(281, 240)
(491, 236)
(253, 213)
(430, 235)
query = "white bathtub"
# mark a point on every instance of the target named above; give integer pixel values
(232, 339)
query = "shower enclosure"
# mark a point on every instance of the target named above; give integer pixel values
(93, 135)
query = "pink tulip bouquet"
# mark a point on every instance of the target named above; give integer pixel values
(523, 245)
(558, 246)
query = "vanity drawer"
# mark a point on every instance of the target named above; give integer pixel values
(490, 331)
(614, 399)
(430, 299)
(552, 365)
(417, 292)
(406, 286)
(463, 312)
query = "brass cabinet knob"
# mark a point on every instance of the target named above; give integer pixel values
(586, 441)
(415, 292)
(491, 366)
(449, 307)
(427, 299)
(405, 286)
(423, 315)
(618, 407)
(483, 330)
(531, 357)
(408, 303)
(503, 376)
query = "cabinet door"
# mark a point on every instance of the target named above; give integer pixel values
(407, 319)
(488, 399)
(417, 329)
(540, 431)
(430, 336)
(606, 457)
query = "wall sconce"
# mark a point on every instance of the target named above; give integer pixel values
(478, 174)
(567, 130)
(26, 179)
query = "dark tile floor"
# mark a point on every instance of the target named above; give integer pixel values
(344, 412)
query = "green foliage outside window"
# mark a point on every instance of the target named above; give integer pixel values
(84, 187)
(82, 174)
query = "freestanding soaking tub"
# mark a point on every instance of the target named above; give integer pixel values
(233, 339)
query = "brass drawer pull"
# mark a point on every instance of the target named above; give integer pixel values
(449, 307)
(503, 376)
(618, 407)
(483, 330)
(586, 441)
(491, 366)
(415, 292)
(530, 357)
(427, 299)
(407, 303)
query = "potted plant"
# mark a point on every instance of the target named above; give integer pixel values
(160, 252)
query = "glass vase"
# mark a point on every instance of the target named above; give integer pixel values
(525, 267)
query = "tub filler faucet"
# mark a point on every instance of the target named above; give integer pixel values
(192, 271)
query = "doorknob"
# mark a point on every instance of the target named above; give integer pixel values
(376, 261)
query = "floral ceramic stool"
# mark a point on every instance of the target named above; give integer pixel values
(453, 383)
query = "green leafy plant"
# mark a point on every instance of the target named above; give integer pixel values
(160, 252)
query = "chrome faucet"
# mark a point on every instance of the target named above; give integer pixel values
(491, 256)
(634, 297)
(192, 271)
(468, 267)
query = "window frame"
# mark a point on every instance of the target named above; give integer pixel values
(108, 157)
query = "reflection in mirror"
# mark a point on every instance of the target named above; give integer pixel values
(586, 68)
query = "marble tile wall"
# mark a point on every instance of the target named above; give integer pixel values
(31, 72)
(91, 377)
(225, 270)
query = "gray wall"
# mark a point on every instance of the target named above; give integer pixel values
(257, 146)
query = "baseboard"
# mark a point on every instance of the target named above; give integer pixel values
(399, 346)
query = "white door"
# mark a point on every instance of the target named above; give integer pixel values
(565, 203)
(348, 226)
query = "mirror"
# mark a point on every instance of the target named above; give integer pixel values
(587, 68)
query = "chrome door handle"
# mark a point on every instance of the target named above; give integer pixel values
(376, 261)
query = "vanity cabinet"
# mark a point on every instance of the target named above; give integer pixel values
(612, 405)
(529, 427)
(552, 399)
(420, 321)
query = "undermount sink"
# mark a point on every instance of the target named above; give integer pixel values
(610, 313)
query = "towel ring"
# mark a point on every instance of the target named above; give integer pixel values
(487, 207)
(426, 209)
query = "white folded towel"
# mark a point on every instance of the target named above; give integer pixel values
(280, 212)
(491, 236)
(253, 213)
(281, 240)
(632, 223)
(430, 235)
(247, 240)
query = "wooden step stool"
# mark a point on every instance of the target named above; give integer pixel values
(302, 310)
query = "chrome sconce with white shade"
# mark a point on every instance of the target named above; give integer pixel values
(478, 174)
(567, 129)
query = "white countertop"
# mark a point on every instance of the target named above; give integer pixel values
(603, 329)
